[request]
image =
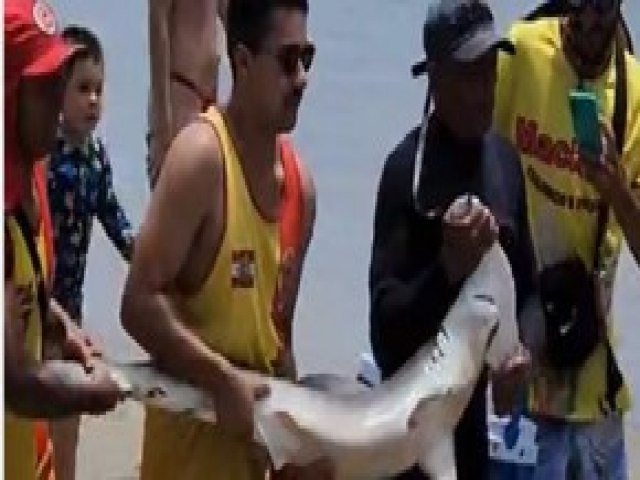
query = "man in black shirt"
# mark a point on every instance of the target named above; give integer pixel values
(419, 261)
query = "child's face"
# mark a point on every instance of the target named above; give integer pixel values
(83, 97)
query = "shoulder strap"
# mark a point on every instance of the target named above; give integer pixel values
(620, 107)
(27, 233)
(9, 255)
(206, 99)
(40, 181)
(619, 128)
(614, 378)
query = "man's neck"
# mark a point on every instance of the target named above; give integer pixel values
(256, 149)
(256, 146)
(444, 133)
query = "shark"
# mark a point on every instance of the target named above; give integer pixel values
(368, 433)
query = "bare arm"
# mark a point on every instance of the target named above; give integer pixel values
(190, 184)
(610, 178)
(184, 65)
(626, 205)
(287, 365)
(32, 390)
(193, 55)
(159, 38)
(163, 245)
(73, 342)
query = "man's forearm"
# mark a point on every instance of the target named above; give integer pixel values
(626, 207)
(55, 330)
(57, 314)
(155, 324)
(34, 392)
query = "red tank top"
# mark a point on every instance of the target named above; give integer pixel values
(290, 226)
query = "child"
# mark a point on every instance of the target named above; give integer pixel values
(80, 189)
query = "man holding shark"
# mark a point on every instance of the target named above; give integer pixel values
(421, 257)
(214, 278)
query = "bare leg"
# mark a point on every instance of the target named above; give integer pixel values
(64, 434)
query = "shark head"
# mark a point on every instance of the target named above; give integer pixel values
(499, 289)
(490, 286)
(488, 298)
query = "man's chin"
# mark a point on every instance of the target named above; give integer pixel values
(288, 124)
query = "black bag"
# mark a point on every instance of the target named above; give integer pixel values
(574, 320)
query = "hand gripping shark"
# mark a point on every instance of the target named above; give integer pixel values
(408, 419)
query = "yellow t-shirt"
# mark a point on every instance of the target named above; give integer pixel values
(232, 314)
(19, 439)
(532, 109)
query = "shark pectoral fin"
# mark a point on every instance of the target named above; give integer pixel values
(436, 457)
(421, 412)
(426, 412)
(439, 461)
(286, 441)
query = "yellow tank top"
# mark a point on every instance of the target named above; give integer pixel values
(232, 314)
(19, 439)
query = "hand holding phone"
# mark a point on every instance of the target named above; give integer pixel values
(586, 122)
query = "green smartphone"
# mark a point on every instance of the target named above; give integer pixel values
(586, 122)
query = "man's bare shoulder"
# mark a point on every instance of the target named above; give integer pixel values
(188, 190)
(195, 151)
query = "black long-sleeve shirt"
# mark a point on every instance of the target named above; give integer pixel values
(410, 294)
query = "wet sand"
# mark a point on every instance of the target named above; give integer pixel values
(110, 445)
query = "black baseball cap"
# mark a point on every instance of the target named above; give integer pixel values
(459, 30)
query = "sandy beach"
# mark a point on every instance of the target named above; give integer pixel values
(110, 445)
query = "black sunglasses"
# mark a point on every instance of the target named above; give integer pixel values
(291, 55)
(601, 6)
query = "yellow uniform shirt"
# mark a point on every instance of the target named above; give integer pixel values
(532, 109)
(19, 433)
(232, 314)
